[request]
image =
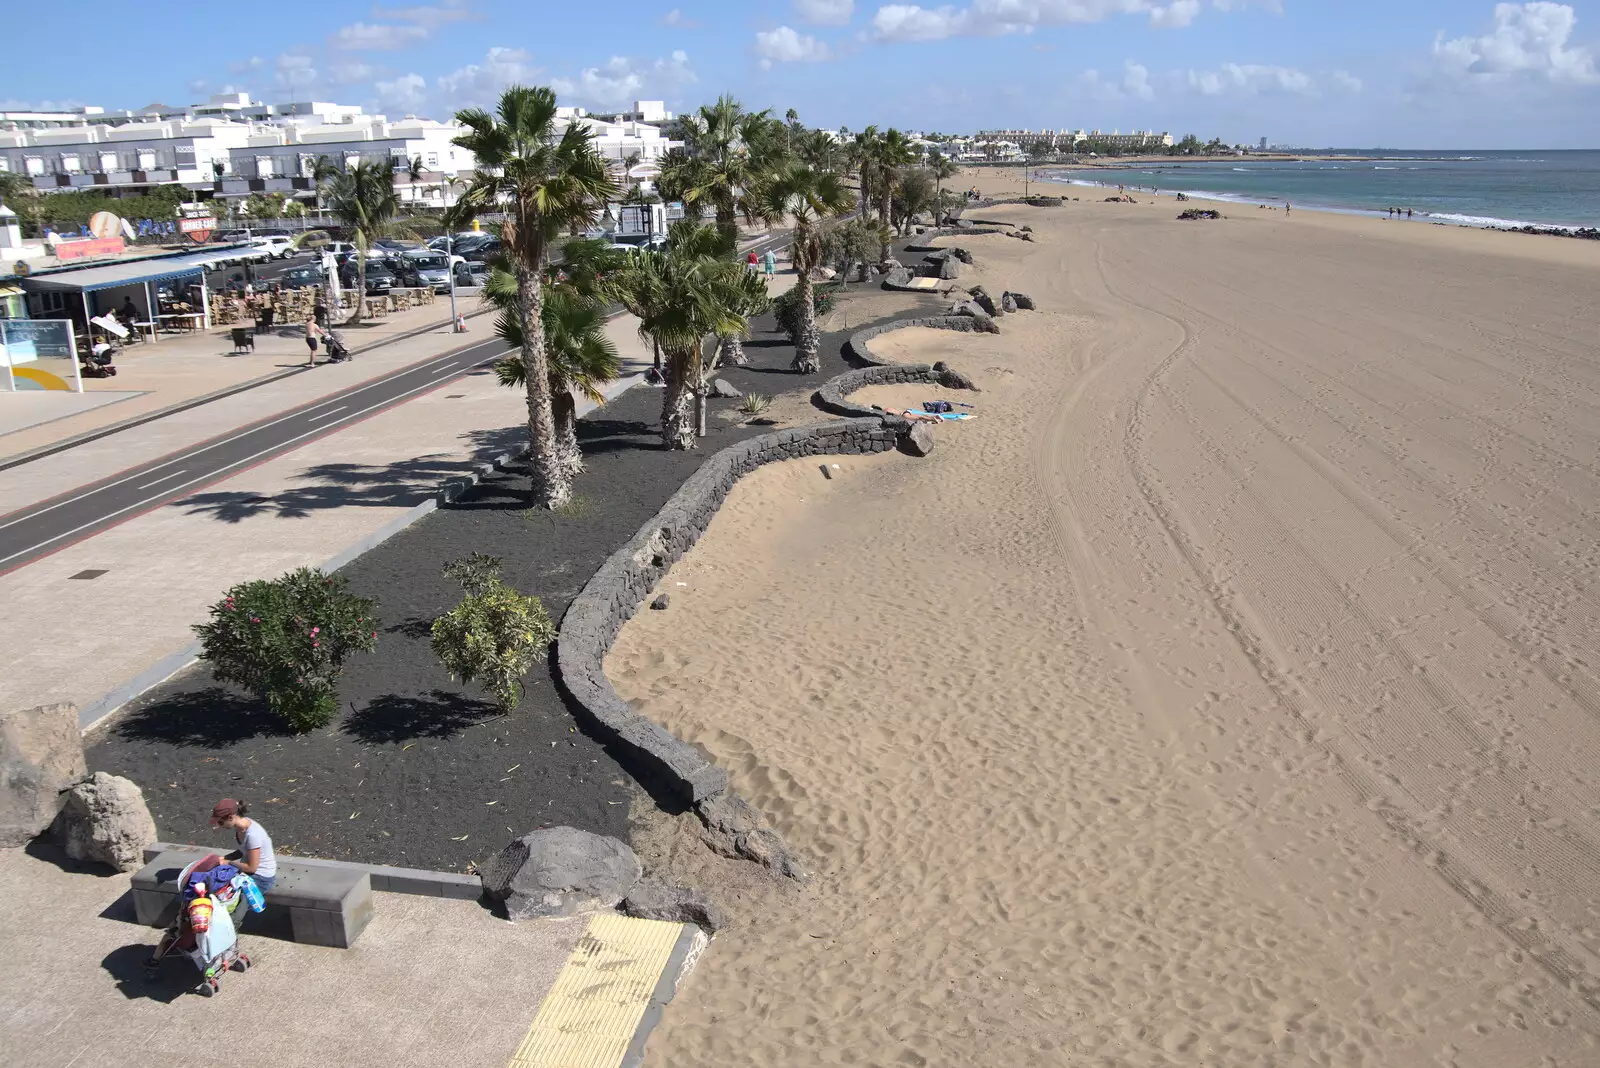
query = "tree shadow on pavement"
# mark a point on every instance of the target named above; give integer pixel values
(402, 718)
(395, 485)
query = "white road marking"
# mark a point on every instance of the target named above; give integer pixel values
(316, 418)
(163, 478)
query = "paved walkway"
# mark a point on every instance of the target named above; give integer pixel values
(181, 367)
(431, 982)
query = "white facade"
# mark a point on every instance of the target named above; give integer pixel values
(131, 155)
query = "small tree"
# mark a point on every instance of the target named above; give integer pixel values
(495, 634)
(286, 640)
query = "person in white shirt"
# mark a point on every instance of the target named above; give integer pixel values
(256, 858)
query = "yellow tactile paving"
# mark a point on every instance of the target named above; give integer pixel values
(590, 1015)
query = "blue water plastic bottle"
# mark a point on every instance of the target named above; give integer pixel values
(253, 894)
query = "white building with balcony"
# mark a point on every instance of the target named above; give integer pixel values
(130, 157)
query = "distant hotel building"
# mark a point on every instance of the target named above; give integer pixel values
(232, 146)
(1065, 140)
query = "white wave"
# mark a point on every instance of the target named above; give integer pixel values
(1386, 168)
(1489, 220)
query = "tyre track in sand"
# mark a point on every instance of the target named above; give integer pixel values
(1567, 966)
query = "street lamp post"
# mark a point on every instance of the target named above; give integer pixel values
(450, 264)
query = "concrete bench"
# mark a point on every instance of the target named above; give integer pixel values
(323, 905)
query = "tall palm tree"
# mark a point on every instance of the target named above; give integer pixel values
(364, 200)
(581, 358)
(546, 179)
(723, 155)
(942, 167)
(808, 198)
(682, 295)
(891, 152)
(862, 158)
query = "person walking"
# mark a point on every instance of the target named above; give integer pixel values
(313, 332)
(750, 262)
(769, 263)
(256, 858)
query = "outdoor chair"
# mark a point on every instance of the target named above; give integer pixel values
(243, 339)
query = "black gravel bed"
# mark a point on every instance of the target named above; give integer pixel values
(419, 771)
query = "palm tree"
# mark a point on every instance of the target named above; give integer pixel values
(581, 358)
(364, 200)
(682, 295)
(889, 153)
(808, 198)
(725, 150)
(942, 168)
(862, 158)
(546, 180)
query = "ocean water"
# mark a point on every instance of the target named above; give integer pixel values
(1467, 188)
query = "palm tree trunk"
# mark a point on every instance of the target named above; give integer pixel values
(677, 403)
(806, 360)
(361, 285)
(733, 352)
(728, 225)
(552, 482)
(883, 220)
(564, 408)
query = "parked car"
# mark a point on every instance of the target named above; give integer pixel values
(280, 248)
(424, 267)
(305, 275)
(391, 244)
(313, 240)
(379, 278)
(482, 251)
(471, 274)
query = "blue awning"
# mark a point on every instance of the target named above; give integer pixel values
(128, 272)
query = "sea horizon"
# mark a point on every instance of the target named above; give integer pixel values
(1509, 188)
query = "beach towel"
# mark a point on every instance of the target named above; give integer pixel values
(942, 415)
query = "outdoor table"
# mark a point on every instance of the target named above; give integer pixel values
(152, 326)
(183, 320)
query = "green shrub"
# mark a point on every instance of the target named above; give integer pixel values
(286, 640)
(786, 307)
(495, 634)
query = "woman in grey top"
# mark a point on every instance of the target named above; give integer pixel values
(256, 858)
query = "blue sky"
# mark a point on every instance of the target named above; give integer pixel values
(1393, 73)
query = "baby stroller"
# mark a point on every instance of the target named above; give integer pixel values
(209, 890)
(337, 352)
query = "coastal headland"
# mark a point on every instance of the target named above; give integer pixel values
(1221, 694)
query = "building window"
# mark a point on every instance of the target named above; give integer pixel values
(147, 159)
(34, 165)
(70, 165)
(433, 161)
(108, 162)
(263, 166)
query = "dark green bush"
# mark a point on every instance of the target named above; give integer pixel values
(286, 640)
(786, 307)
(495, 634)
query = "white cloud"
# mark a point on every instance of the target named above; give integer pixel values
(784, 45)
(429, 18)
(1175, 15)
(350, 72)
(1530, 40)
(478, 84)
(1133, 85)
(407, 93)
(376, 36)
(1343, 79)
(677, 18)
(1248, 79)
(620, 80)
(992, 18)
(826, 12)
(294, 71)
(245, 66)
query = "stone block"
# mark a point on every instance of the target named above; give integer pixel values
(104, 819)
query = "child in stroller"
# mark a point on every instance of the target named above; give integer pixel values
(209, 890)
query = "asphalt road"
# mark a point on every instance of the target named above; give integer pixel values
(41, 529)
(29, 533)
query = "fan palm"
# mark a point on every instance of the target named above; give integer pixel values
(364, 200)
(725, 150)
(808, 198)
(890, 152)
(546, 180)
(942, 168)
(579, 356)
(682, 295)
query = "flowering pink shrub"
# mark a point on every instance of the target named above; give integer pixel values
(286, 640)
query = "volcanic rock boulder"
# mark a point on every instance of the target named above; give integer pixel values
(1023, 301)
(982, 299)
(675, 904)
(104, 819)
(41, 754)
(560, 871)
(952, 379)
(721, 388)
(734, 829)
(949, 268)
(897, 276)
(1008, 303)
(918, 440)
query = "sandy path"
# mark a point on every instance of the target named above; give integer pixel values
(1222, 694)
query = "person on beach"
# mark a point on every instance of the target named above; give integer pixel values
(1408, 213)
(313, 331)
(256, 858)
(1286, 207)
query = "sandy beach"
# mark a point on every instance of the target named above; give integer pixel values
(1225, 693)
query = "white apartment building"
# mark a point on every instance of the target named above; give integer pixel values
(1063, 140)
(282, 158)
(130, 156)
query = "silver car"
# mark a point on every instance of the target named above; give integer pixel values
(422, 267)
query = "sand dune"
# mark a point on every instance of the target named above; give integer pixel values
(1225, 693)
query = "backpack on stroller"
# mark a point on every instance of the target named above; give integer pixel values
(209, 890)
(337, 352)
